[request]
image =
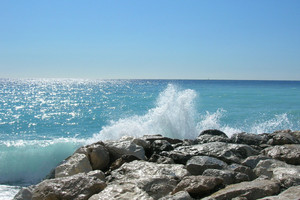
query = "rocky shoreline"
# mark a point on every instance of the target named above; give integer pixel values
(213, 166)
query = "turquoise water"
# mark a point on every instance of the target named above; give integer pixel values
(42, 121)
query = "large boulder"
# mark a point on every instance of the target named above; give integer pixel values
(198, 164)
(289, 153)
(252, 161)
(98, 155)
(248, 138)
(77, 163)
(228, 176)
(116, 191)
(293, 193)
(125, 147)
(282, 137)
(230, 153)
(157, 180)
(206, 138)
(182, 195)
(80, 186)
(213, 132)
(197, 186)
(287, 175)
(246, 190)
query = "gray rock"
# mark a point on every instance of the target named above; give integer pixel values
(230, 153)
(250, 190)
(197, 186)
(253, 160)
(198, 164)
(287, 175)
(293, 193)
(157, 180)
(248, 138)
(24, 194)
(213, 132)
(124, 191)
(120, 161)
(228, 176)
(98, 155)
(281, 138)
(77, 163)
(206, 138)
(182, 195)
(123, 147)
(80, 186)
(243, 169)
(161, 145)
(152, 138)
(289, 153)
(161, 159)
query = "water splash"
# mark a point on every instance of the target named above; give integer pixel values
(173, 116)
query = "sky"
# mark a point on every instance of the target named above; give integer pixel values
(139, 39)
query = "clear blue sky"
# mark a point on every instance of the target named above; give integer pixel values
(193, 39)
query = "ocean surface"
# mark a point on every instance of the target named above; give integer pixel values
(42, 121)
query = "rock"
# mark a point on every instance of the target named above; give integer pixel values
(157, 180)
(124, 191)
(296, 134)
(161, 159)
(249, 139)
(228, 176)
(198, 164)
(197, 186)
(213, 132)
(289, 153)
(253, 160)
(281, 138)
(24, 194)
(250, 190)
(120, 161)
(230, 153)
(98, 155)
(242, 169)
(152, 138)
(123, 147)
(206, 138)
(80, 186)
(293, 193)
(287, 175)
(161, 145)
(77, 163)
(182, 195)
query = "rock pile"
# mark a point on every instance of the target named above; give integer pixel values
(213, 166)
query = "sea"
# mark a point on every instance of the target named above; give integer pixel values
(43, 121)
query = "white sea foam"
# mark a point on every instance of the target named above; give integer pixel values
(173, 116)
(8, 192)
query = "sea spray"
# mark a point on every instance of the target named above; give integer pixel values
(173, 116)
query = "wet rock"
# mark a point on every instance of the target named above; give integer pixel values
(182, 195)
(198, 164)
(152, 138)
(80, 186)
(253, 160)
(213, 132)
(250, 190)
(77, 163)
(24, 194)
(98, 155)
(125, 147)
(289, 153)
(229, 153)
(249, 139)
(281, 138)
(161, 159)
(197, 186)
(161, 145)
(293, 193)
